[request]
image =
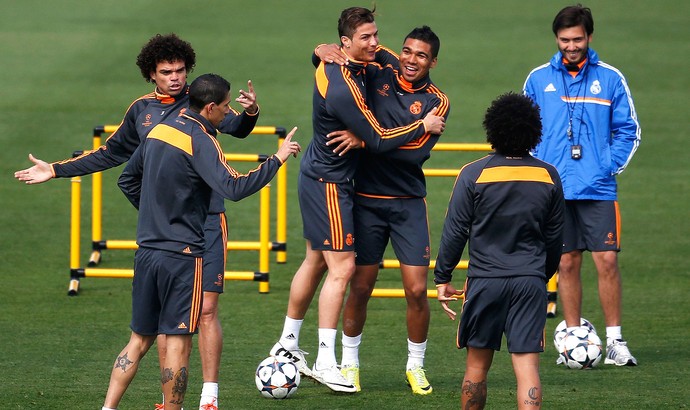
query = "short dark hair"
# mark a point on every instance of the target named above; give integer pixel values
(573, 16)
(207, 88)
(165, 48)
(426, 35)
(512, 124)
(353, 17)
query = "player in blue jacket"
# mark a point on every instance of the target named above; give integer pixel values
(590, 133)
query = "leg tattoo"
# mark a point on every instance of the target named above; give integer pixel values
(533, 394)
(179, 387)
(166, 375)
(476, 393)
(122, 362)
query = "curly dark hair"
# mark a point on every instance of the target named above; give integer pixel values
(512, 124)
(166, 48)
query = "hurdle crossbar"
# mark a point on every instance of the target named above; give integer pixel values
(431, 172)
(280, 244)
(263, 245)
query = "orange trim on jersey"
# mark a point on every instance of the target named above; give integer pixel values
(221, 155)
(383, 133)
(618, 224)
(334, 216)
(445, 103)
(592, 100)
(172, 136)
(522, 173)
(321, 79)
(197, 296)
(224, 236)
(383, 196)
(103, 147)
(418, 143)
(443, 108)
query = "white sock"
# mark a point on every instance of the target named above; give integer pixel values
(326, 355)
(415, 354)
(209, 392)
(613, 333)
(351, 350)
(290, 337)
(107, 408)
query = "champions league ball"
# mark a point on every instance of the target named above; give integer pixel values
(581, 349)
(560, 331)
(277, 377)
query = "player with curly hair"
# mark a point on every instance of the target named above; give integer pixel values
(509, 206)
(166, 61)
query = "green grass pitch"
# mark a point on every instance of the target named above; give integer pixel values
(69, 65)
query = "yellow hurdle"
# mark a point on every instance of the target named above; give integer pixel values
(431, 172)
(264, 246)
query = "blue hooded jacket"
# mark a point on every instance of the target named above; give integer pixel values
(598, 108)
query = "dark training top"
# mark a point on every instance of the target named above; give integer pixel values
(170, 178)
(339, 104)
(142, 115)
(394, 101)
(511, 211)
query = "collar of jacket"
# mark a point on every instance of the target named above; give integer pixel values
(557, 60)
(167, 99)
(352, 64)
(413, 87)
(203, 122)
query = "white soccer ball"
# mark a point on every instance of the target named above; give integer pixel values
(277, 377)
(581, 349)
(560, 331)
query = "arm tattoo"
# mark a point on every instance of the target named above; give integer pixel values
(122, 362)
(476, 393)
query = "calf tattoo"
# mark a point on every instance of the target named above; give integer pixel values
(122, 362)
(179, 380)
(533, 395)
(476, 393)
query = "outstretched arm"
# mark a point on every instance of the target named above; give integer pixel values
(40, 172)
(240, 125)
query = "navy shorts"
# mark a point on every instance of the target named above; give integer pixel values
(166, 293)
(403, 221)
(327, 214)
(591, 226)
(215, 252)
(514, 305)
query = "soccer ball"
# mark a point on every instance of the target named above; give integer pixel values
(560, 331)
(277, 377)
(581, 349)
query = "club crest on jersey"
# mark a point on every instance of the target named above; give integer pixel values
(596, 87)
(182, 111)
(148, 122)
(349, 239)
(384, 90)
(416, 107)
